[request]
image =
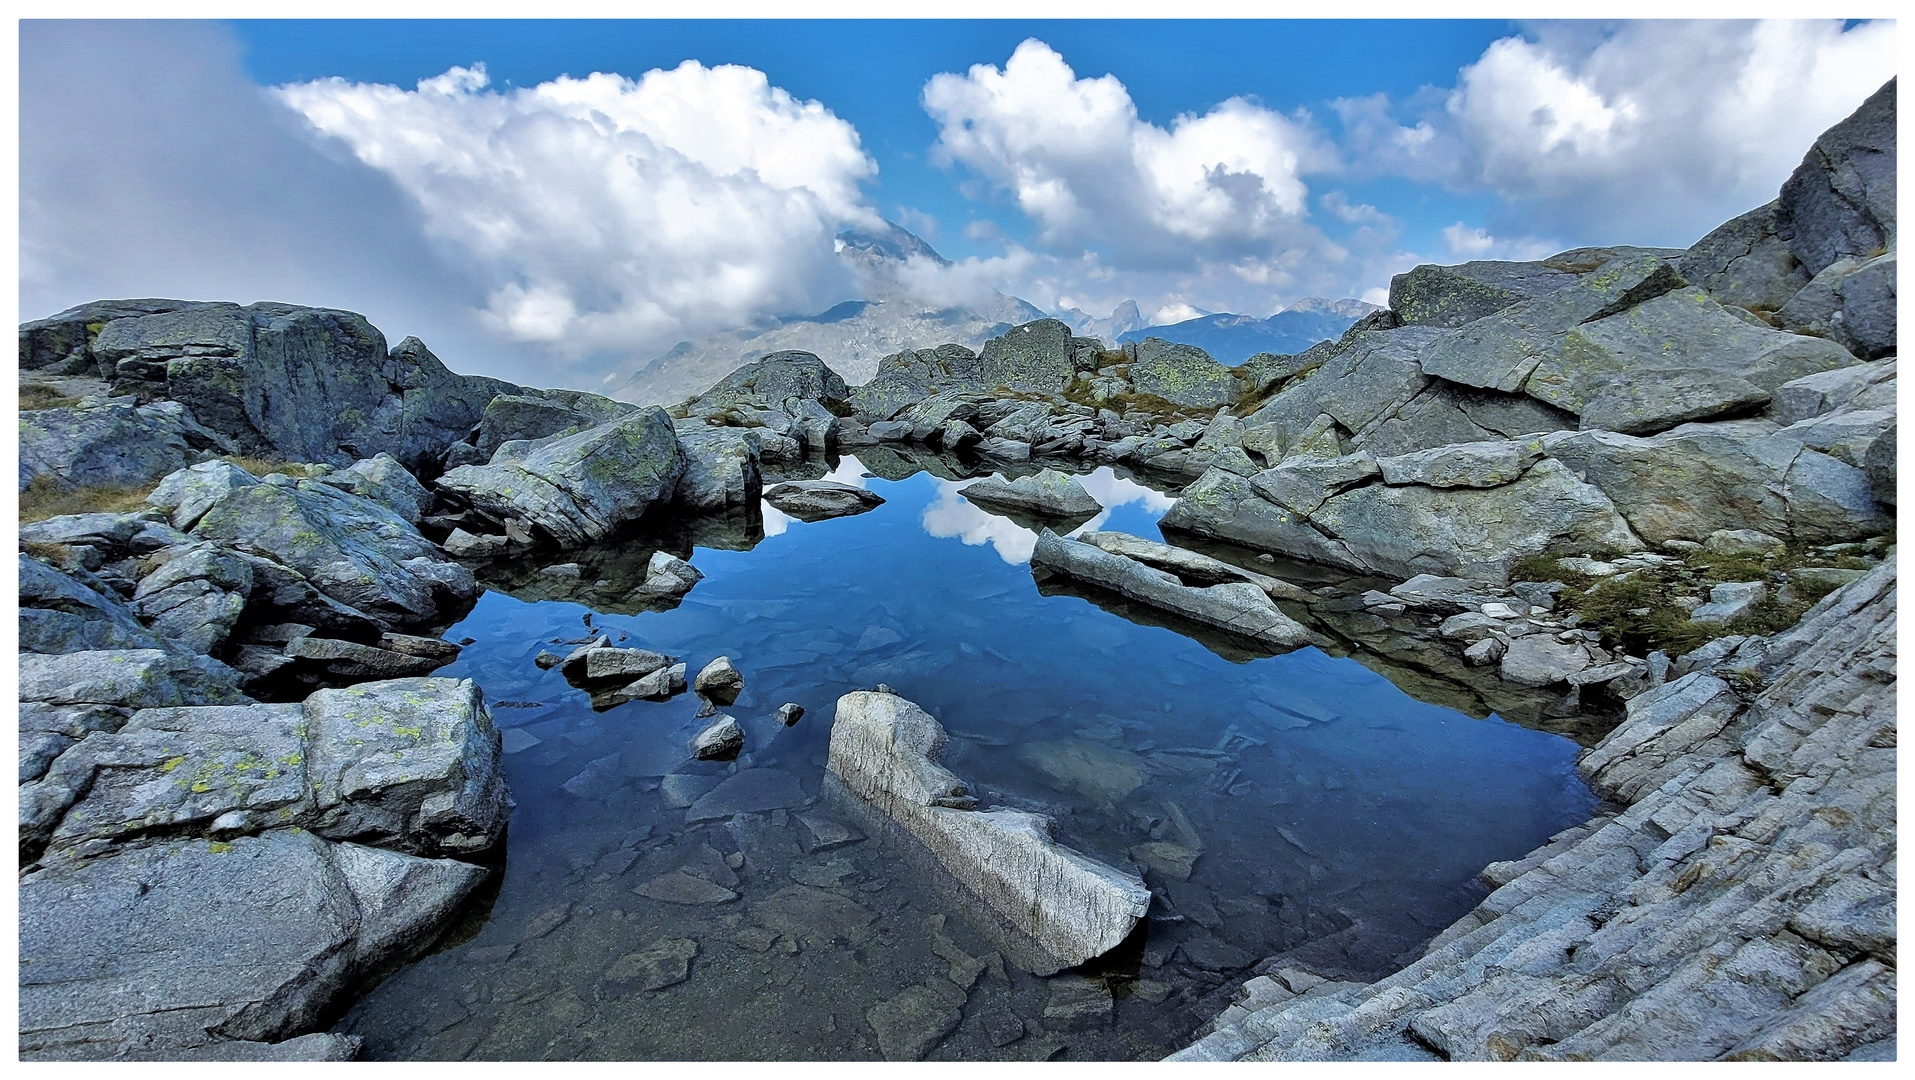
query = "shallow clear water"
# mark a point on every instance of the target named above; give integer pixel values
(1325, 808)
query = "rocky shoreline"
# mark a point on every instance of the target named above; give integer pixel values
(1594, 489)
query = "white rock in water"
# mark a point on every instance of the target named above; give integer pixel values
(885, 749)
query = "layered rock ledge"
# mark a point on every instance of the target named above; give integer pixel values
(1741, 907)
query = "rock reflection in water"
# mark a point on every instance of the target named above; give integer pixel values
(654, 907)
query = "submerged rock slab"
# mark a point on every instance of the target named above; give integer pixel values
(885, 749)
(1237, 606)
(1191, 565)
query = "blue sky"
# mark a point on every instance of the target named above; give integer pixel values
(475, 183)
(872, 75)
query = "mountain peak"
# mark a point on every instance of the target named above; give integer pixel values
(893, 243)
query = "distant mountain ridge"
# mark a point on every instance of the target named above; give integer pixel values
(1233, 339)
(851, 336)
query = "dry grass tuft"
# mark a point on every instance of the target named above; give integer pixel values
(44, 498)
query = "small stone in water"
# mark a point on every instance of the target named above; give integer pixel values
(789, 712)
(547, 660)
(720, 742)
(665, 963)
(1150, 991)
(679, 887)
(719, 681)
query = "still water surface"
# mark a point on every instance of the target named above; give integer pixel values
(1271, 803)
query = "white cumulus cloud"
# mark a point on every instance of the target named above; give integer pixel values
(1078, 160)
(1644, 132)
(609, 212)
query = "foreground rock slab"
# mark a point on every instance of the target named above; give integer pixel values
(188, 944)
(885, 749)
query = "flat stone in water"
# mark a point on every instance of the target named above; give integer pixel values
(679, 790)
(813, 916)
(828, 874)
(822, 833)
(1102, 772)
(599, 778)
(1211, 954)
(1001, 1026)
(748, 791)
(909, 1025)
(663, 963)
(547, 921)
(1076, 1000)
(679, 887)
(517, 739)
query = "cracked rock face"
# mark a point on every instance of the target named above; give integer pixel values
(885, 750)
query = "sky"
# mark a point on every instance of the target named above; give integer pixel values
(543, 200)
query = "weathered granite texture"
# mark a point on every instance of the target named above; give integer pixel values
(886, 750)
(1741, 907)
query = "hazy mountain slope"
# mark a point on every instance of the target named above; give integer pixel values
(1235, 338)
(851, 337)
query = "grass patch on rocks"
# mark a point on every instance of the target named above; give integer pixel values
(44, 498)
(1638, 612)
(35, 396)
(267, 466)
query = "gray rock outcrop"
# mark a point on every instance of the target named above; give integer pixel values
(885, 749)
(816, 500)
(278, 380)
(1051, 493)
(351, 549)
(1407, 528)
(580, 487)
(111, 443)
(1183, 375)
